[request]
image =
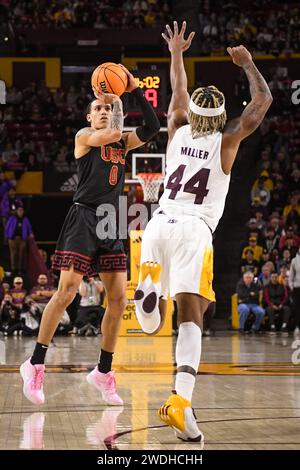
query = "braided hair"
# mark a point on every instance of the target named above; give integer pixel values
(207, 97)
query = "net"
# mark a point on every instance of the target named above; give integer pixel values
(150, 183)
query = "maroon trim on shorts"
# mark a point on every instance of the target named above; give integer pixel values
(113, 263)
(62, 261)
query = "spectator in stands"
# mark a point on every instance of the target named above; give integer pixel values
(249, 291)
(294, 282)
(283, 272)
(260, 222)
(249, 263)
(32, 164)
(18, 293)
(278, 196)
(18, 229)
(253, 231)
(60, 164)
(271, 266)
(9, 204)
(8, 150)
(271, 241)
(290, 245)
(9, 315)
(15, 165)
(265, 276)
(90, 311)
(265, 257)
(291, 212)
(285, 283)
(257, 249)
(257, 206)
(274, 257)
(289, 235)
(275, 172)
(261, 191)
(12, 319)
(5, 185)
(276, 300)
(276, 225)
(6, 288)
(265, 177)
(41, 293)
(285, 260)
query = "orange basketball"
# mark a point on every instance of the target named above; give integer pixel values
(109, 78)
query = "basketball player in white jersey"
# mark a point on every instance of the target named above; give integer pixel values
(177, 256)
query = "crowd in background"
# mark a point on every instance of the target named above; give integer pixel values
(38, 127)
(271, 248)
(84, 14)
(21, 309)
(266, 26)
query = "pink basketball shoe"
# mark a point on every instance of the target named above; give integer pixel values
(106, 384)
(33, 377)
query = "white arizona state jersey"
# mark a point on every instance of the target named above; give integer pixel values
(195, 183)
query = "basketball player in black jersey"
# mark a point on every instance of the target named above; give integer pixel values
(100, 152)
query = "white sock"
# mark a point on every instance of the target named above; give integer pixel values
(184, 385)
(188, 353)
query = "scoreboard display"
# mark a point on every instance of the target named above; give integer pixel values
(153, 84)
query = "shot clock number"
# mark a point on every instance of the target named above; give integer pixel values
(149, 81)
(151, 84)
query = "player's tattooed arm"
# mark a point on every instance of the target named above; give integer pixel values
(258, 85)
(84, 131)
(117, 116)
(89, 137)
(252, 116)
(261, 97)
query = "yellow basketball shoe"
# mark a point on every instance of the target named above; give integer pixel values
(147, 297)
(153, 269)
(178, 413)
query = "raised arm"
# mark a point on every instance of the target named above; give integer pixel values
(151, 123)
(252, 116)
(89, 137)
(261, 97)
(179, 104)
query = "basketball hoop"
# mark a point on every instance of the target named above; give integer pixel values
(150, 183)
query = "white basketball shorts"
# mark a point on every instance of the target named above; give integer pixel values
(183, 248)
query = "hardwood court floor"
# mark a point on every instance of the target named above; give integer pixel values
(247, 395)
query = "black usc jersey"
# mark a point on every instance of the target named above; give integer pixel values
(101, 175)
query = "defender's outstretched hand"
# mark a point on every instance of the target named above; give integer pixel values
(175, 39)
(240, 55)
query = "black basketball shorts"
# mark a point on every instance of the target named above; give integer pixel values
(78, 245)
